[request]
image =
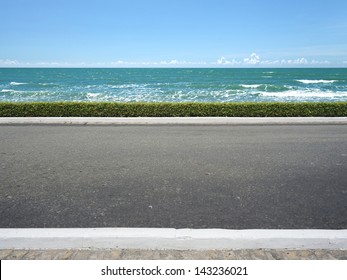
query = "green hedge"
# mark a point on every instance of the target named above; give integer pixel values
(165, 109)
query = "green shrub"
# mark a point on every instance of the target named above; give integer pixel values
(166, 109)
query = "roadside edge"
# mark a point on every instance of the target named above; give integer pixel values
(173, 120)
(169, 238)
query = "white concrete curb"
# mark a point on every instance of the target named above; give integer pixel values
(180, 121)
(167, 238)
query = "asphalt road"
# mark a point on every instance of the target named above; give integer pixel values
(232, 177)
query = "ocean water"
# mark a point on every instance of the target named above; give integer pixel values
(175, 85)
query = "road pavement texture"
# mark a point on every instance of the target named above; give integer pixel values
(174, 176)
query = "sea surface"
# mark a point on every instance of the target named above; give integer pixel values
(175, 85)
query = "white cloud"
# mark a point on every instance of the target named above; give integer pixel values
(270, 62)
(50, 64)
(313, 61)
(171, 62)
(117, 63)
(175, 62)
(253, 59)
(292, 62)
(224, 61)
(162, 63)
(8, 62)
(297, 61)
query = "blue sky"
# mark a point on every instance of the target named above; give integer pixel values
(175, 33)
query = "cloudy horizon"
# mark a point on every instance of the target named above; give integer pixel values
(181, 33)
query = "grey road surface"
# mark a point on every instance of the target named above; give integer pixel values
(193, 176)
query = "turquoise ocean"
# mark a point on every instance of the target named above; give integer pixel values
(174, 85)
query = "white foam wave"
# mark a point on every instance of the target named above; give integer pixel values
(306, 93)
(6, 90)
(250, 86)
(92, 95)
(46, 84)
(17, 84)
(120, 86)
(128, 86)
(316, 81)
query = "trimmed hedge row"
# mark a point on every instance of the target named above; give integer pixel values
(165, 109)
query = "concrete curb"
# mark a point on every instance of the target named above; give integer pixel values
(175, 121)
(167, 238)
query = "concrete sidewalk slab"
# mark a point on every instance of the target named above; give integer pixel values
(123, 254)
(175, 120)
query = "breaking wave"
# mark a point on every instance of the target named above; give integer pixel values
(317, 81)
(250, 86)
(17, 84)
(306, 94)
